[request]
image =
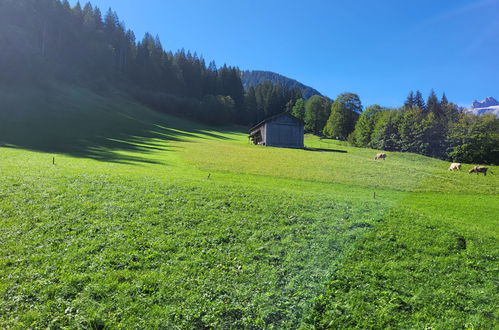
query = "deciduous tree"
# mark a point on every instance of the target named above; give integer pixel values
(344, 114)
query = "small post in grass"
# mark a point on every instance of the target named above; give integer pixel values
(53, 160)
(374, 195)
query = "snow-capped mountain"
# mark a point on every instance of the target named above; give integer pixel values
(489, 105)
(488, 102)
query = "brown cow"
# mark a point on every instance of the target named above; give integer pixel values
(381, 155)
(455, 166)
(478, 169)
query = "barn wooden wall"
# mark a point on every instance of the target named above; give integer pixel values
(284, 131)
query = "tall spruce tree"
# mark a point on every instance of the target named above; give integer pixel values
(433, 105)
(411, 100)
(418, 100)
(444, 100)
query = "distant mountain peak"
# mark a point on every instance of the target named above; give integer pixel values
(255, 77)
(488, 102)
(489, 105)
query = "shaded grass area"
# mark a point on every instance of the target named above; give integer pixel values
(80, 123)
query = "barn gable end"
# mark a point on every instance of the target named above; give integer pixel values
(283, 130)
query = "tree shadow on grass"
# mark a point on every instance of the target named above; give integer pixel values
(118, 138)
(325, 150)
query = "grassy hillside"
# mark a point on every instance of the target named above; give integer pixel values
(147, 221)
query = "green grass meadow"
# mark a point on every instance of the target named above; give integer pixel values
(149, 221)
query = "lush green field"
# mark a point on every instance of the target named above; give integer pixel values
(149, 221)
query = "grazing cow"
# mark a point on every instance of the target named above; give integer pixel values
(478, 169)
(381, 155)
(455, 166)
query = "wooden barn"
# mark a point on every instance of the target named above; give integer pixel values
(282, 130)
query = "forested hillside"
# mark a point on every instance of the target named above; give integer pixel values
(46, 41)
(256, 77)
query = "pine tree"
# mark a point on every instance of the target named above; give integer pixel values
(433, 105)
(411, 100)
(78, 14)
(418, 100)
(444, 100)
(432, 102)
(88, 17)
(98, 18)
(66, 5)
(111, 21)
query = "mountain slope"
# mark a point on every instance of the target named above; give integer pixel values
(255, 77)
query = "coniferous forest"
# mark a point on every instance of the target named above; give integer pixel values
(49, 41)
(256, 77)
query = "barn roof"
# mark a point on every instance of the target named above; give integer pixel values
(274, 117)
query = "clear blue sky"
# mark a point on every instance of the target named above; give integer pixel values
(378, 49)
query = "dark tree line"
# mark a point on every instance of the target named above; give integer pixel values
(436, 128)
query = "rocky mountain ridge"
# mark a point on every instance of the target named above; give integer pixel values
(489, 105)
(488, 102)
